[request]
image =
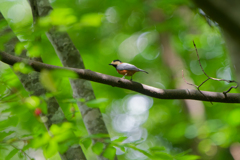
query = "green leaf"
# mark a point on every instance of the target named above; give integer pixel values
(26, 147)
(233, 117)
(97, 148)
(51, 149)
(188, 157)
(59, 73)
(3, 146)
(157, 149)
(32, 102)
(58, 14)
(91, 19)
(138, 141)
(86, 142)
(120, 139)
(183, 153)
(64, 136)
(163, 155)
(73, 100)
(63, 147)
(47, 80)
(96, 102)
(110, 152)
(20, 155)
(22, 67)
(11, 154)
(11, 121)
(55, 129)
(41, 140)
(34, 50)
(5, 134)
(120, 147)
(63, 132)
(19, 48)
(100, 135)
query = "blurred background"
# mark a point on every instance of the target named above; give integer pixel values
(154, 35)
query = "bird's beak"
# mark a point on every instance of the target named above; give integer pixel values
(111, 64)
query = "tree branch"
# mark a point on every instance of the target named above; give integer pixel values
(226, 13)
(130, 85)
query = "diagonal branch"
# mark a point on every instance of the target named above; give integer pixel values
(127, 84)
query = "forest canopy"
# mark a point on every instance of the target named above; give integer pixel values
(61, 100)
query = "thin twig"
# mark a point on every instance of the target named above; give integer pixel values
(197, 87)
(199, 60)
(188, 82)
(215, 79)
(203, 82)
(21, 151)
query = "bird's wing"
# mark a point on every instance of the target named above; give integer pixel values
(127, 66)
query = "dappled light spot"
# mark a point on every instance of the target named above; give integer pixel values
(191, 132)
(16, 13)
(145, 45)
(139, 104)
(133, 114)
(218, 138)
(133, 154)
(206, 146)
(142, 41)
(128, 48)
(215, 53)
(123, 122)
(225, 73)
(134, 19)
(137, 134)
(111, 15)
(195, 68)
(160, 85)
(233, 117)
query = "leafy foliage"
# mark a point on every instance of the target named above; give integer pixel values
(140, 127)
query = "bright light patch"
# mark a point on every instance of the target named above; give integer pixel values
(142, 41)
(195, 67)
(124, 123)
(191, 132)
(111, 15)
(16, 13)
(139, 104)
(128, 48)
(224, 73)
(145, 45)
(145, 39)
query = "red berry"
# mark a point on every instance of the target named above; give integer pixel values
(37, 111)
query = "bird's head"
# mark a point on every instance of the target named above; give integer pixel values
(115, 63)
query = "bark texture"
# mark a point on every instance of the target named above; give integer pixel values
(55, 114)
(70, 57)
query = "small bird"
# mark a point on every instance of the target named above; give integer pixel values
(125, 69)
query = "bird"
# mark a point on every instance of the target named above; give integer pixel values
(125, 69)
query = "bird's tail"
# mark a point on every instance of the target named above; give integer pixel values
(143, 71)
